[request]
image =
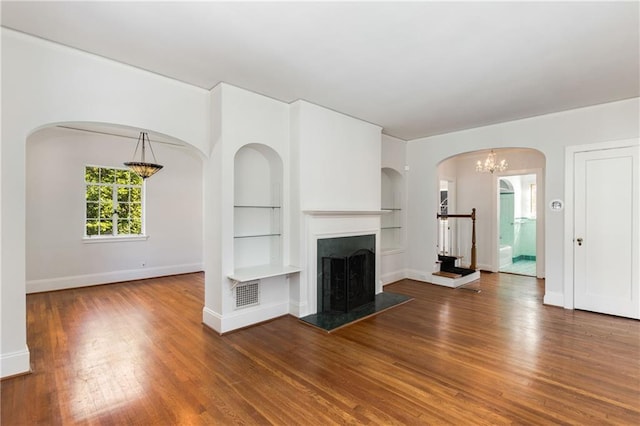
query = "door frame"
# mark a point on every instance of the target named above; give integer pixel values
(451, 207)
(569, 210)
(540, 217)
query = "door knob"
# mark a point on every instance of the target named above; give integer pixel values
(579, 240)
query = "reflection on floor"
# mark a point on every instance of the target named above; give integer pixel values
(522, 267)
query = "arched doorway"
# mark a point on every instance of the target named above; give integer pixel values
(480, 190)
(60, 254)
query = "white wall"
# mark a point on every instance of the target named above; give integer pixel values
(56, 255)
(549, 134)
(44, 83)
(340, 160)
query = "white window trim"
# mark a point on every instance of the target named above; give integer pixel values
(90, 239)
(113, 238)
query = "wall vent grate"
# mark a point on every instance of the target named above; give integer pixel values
(247, 294)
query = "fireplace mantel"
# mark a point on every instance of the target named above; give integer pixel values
(325, 223)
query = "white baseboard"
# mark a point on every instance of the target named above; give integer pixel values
(553, 298)
(211, 319)
(484, 267)
(414, 274)
(297, 308)
(51, 284)
(393, 277)
(250, 316)
(14, 363)
(243, 317)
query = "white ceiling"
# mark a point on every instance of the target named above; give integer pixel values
(414, 68)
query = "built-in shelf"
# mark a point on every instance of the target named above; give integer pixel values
(257, 236)
(256, 207)
(392, 221)
(262, 271)
(343, 212)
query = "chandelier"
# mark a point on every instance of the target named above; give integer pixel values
(142, 168)
(491, 164)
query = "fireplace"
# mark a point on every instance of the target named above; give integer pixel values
(346, 272)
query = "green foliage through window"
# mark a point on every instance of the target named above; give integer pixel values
(113, 201)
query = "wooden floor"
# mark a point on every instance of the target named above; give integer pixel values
(137, 353)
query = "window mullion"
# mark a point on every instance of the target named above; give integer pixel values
(143, 203)
(114, 217)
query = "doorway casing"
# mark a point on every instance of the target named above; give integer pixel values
(569, 212)
(540, 211)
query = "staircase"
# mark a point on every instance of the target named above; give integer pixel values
(451, 275)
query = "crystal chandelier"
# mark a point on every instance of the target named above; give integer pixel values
(142, 168)
(491, 164)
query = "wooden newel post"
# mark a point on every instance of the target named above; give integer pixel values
(473, 239)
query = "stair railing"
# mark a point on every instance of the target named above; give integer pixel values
(471, 216)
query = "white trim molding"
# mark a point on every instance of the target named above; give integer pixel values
(14, 363)
(554, 298)
(416, 275)
(392, 277)
(295, 308)
(212, 319)
(244, 317)
(251, 316)
(75, 281)
(114, 239)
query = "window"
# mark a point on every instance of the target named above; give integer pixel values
(533, 193)
(113, 202)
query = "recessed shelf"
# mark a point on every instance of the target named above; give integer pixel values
(343, 212)
(257, 236)
(257, 207)
(262, 271)
(392, 222)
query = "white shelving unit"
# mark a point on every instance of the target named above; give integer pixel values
(257, 215)
(257, 235)
(391, 224)
(260, 272)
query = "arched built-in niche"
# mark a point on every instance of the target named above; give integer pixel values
(392, 222)
(257, 207)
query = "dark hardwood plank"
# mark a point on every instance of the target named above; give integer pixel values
(137, 353)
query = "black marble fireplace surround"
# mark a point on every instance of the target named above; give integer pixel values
(346, 273)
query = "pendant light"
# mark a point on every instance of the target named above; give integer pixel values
(142, 168)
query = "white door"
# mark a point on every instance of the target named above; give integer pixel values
(607, 232)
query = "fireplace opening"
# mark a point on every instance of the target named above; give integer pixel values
(346, 273)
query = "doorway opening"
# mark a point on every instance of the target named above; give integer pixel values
(517, 216)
